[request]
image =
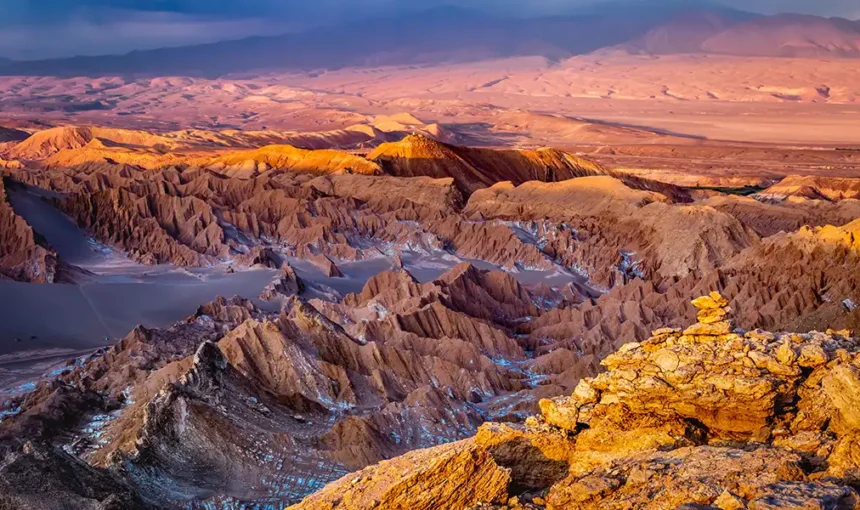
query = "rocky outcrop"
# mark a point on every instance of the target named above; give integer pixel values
(286, 284)
(246, 164)
(11, 164)
(325, 265)
(347, 216)
(456, 476)
(813, 187)
(261, 256)
(707, 416)
(435, 193)
(36, 476)
(473, 169)
(237, 406)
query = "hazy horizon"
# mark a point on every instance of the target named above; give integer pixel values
(43, 29)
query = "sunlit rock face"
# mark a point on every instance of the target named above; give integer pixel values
(705, 416)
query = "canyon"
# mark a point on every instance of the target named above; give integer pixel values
(409, 296)
(605, 260)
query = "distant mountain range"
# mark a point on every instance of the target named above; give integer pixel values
(458, 35)
(783, 35)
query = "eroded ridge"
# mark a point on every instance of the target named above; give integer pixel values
(708, 416)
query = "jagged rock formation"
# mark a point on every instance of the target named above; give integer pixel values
(202, 209)
(458, 476)
(614, 232)
(22, 256)
(611, 223)
(11, 165)
(706, 416)
(260, 256)
(327, 216)
(153, 229)
(803, 281)
(95, 155)
(238, 405)
(325, 265)
(62, 482)
(265, 400)
(286, 284)
(280, 147)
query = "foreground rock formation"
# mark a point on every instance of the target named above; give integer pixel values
(271, 406)
(706, 416)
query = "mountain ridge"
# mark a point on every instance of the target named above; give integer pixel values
(440, 36)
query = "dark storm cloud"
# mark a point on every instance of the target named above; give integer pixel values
(48, 28)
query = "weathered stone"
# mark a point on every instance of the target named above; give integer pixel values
(585, 393)
(658, 480)
(711, 316)
(715, 329)
(456, 475)
(805, 496)
(561, 412)
(729, 501)
(713, 300)
(785, 353)
(812, 355)
(842, 386)
(667, 360)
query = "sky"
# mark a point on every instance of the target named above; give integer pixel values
(31, 29)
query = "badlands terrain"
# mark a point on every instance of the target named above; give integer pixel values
(517, 269)
(402, 293)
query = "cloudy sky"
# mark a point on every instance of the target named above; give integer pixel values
(54, 28)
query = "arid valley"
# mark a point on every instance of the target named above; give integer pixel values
(441, 260)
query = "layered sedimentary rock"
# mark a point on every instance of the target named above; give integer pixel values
(791, 281)
(336, 216)
(707, 416)
(424, 191)
(237, 405)
(50, 141)
(473, 169)
(43, 144)
(458, 476)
